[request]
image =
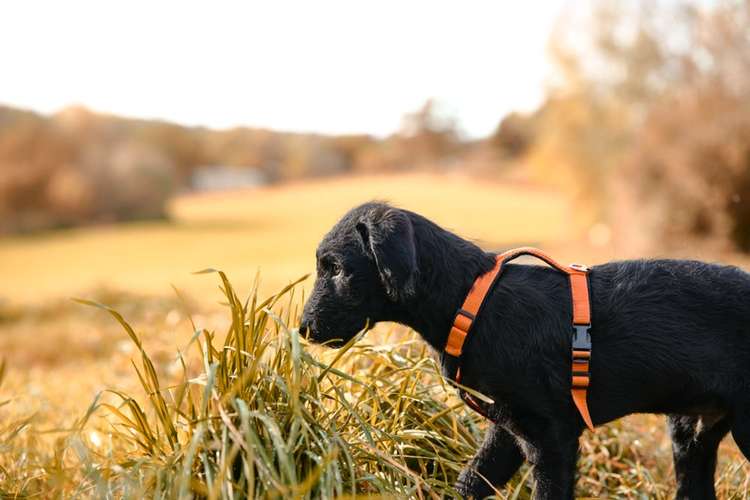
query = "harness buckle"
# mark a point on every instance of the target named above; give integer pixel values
(582, 337)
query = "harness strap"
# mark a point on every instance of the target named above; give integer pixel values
(467, 314)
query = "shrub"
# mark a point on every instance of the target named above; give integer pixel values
(691, 167)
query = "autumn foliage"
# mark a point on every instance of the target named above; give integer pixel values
(649, 121)
(80, 167)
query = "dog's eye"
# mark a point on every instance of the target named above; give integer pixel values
(333, 267)
(330, 266)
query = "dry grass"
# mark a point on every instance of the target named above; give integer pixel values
(251, 413)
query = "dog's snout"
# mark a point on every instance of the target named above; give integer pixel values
(304, 326)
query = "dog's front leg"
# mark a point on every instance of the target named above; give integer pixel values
(554, 459)
(493, 465)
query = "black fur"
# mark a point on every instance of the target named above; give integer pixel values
(669, 336)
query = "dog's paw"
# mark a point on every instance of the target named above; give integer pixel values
(472, 485)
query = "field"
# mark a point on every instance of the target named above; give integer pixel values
(61, 354)
(275, 230)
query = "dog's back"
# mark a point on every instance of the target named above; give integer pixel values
(674, 334)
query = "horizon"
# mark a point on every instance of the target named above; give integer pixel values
(243, 66)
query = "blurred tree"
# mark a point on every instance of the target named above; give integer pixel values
(32, 153)
(514, 135)
(693, 150)
(603, 85)
(352, 147)
(428, 134)
(183, 146)
(653, 107)
(79, 167)
(133, 181)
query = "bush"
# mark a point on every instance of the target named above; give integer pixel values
(514, 135)
(131, 181)
(74, 170)
(691, 167)
(690, 164)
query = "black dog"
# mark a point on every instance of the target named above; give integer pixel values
(669, 336)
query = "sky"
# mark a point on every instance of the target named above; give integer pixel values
(328, 66)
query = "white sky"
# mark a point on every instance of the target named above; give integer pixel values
(330, 66)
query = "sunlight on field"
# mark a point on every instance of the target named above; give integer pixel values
(272, 229)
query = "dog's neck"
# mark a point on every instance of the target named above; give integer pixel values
(448, 266)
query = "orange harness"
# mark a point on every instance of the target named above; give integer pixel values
(465, 317)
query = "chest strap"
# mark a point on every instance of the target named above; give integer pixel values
(581, 345)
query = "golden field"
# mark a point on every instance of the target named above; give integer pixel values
(273, 229)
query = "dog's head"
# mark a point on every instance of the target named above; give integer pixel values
(366, 264)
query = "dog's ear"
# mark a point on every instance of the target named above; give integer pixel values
(388, 238)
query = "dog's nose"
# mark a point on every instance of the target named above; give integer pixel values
(304, 326)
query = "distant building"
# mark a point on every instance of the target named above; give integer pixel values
(222, 177)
